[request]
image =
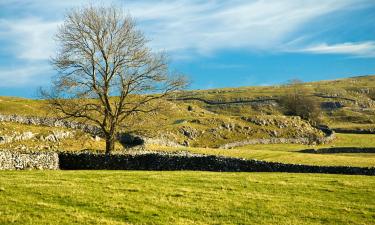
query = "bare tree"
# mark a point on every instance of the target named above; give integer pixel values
(106, 71)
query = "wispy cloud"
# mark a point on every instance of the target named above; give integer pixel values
(185, 28)
(216, 25)
(359, 49)
(32, 38)
(201, 27)
(32, 75)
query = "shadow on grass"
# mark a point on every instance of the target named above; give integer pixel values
(339, 150)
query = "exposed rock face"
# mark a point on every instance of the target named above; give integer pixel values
(16, 137)
(266, 141)
(96, 138)
(228, 126)
(54, 137)
(10, 160)
(329, 136)
(189, 132)
(161, 142)
(51, 122)
(305, 134)
(281, 122)
(57, 136)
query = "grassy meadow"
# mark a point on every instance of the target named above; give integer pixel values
(187, 197)
(148, 94)
(356, 111)
(291, 153)
(143, 197)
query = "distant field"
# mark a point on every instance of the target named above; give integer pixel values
(135, 197)
(289, 153)
(211, 126)
(202, 123)
(145, 197)
(286, 153)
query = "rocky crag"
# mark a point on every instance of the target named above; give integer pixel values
(187, 132)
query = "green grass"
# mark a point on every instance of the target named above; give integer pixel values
(341, 140)
(289, 153)
(353, 126)
(208, 126)
(286, 153)
(136, 197)
(80, 141)
(211, 118)
(22, 106)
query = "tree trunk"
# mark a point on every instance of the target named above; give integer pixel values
(109, 144)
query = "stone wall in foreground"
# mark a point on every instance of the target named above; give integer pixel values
(10, 160)
(170, 162)
(160, 161)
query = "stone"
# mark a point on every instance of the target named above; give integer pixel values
(10, 160)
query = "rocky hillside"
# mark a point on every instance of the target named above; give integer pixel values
(206, 118)
(345, 102)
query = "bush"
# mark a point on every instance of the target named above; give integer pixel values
(371, 94)
(297, 102)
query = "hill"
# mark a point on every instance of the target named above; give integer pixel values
(211, 119)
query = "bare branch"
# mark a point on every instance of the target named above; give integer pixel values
(106, 71)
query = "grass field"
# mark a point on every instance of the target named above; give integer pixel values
(286, 153)
(136, 197)
(140, 197)
(290, 153)
(206, 121)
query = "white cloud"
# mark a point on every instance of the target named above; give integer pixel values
(182, 27)
(214, 25)
(32, 38)
(360, 49)
(24, 76)
(195, 26)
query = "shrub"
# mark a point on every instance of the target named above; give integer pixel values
(371, 94)
(297, 102)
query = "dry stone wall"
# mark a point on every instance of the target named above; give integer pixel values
(355, 131)
(10, 160)
(159, 161)
(329, 136)
(186, 161)
(266, 141)
(51, 122)
(334, 150)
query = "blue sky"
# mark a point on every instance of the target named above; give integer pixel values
(216, 43)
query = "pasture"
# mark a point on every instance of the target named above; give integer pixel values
(144, 197)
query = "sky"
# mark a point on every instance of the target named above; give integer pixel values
(215, 43)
